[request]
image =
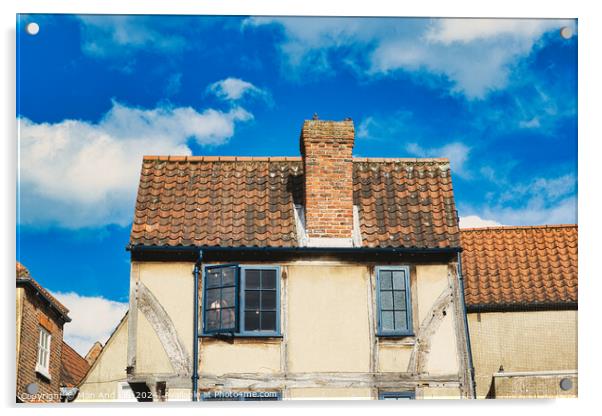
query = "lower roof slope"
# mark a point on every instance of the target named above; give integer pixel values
(73, 366)
(249, 202)
(520, 267)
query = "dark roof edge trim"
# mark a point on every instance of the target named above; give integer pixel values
(521, 307)
(334, 250)
(51, 302)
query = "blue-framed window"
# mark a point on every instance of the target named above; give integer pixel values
(242, 300)
(220, 302)
(396, 395)
(393, 301)
(244, 396)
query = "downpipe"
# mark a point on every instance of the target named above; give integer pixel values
(467, 330)
(195, 345)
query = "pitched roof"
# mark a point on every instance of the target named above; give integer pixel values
(238, 201)
(24, 278)
(73, 366)
(520, 267)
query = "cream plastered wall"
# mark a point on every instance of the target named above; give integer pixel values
(522, 341)
(328, 315)
(150, 357)
(101, 382)
(172, 284)
(328, 324)
(244, 356)
(439, 393)
(330, 394)
(443, 357)
(430, 283)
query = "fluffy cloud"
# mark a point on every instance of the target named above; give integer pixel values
(539, 201)
(81, 174)
(451, 48)
(456, 152)
(93, 319)
(474, 221)
(105, 36)
(233, 89)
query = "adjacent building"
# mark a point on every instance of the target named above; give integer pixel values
(521, 297)
(39, 340)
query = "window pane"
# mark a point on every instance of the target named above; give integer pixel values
(400, 320)
(252, 299)
(385, 280)
(228, 318)
(399, 281)
(252, 279)
(212, 321)
(268, 279)
(268, 299)
(399, 297)
(251, 320)
(214, 278)
(268, 321)
(213, 297)
(228, 276)
(387, 321)
(386, 300)
(228, 294)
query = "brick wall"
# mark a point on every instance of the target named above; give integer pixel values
(326, 147)
(36, 313)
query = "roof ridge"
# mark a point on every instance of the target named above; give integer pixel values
(519, 227)
(173, 158)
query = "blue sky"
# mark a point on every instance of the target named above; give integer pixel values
(498, 97)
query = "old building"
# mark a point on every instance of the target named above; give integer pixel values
(73, 369)
(521, 297)
(106, 380)
(320, 276)
(39, 340)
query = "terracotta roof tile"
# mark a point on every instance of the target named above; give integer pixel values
(235, 201)
(23, 277)
(514, 266)
(73, 366)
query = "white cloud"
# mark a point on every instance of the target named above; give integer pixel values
(474, 221)
(456, 152)
(81, 174)
(476, 55)
(535, 212)
(539, 201)
(233, 89)
(104, 36)
(93, 319)
(396, 126)
(451, 30)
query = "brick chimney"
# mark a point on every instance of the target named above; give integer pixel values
(326, 148)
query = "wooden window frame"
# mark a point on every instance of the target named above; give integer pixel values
(240, 287)
(408, 331)
(43, 366)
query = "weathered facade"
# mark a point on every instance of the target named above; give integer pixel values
(324, 276)
(39, 340)
(521, 296)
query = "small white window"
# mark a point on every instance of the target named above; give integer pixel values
(125, 393)
(43, 363)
